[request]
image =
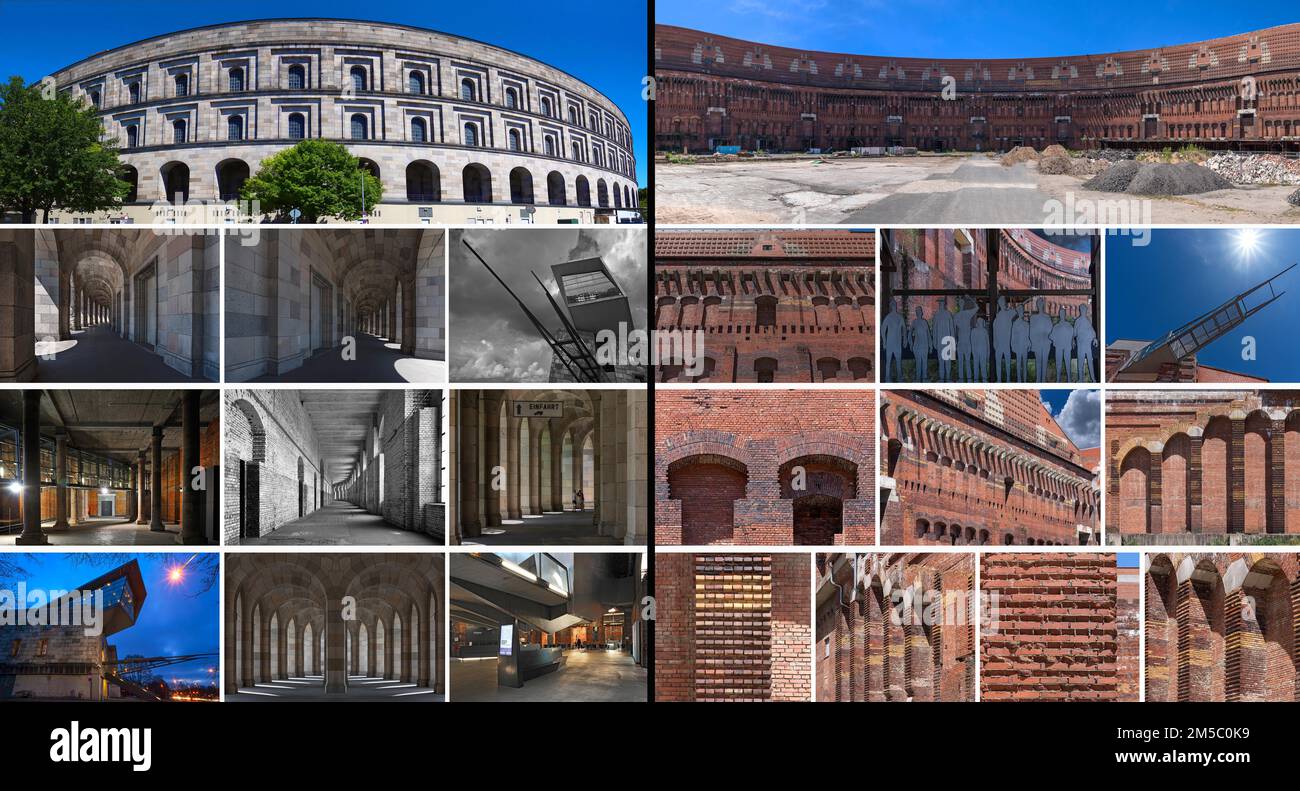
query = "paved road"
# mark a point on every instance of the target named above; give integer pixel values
(979, 191)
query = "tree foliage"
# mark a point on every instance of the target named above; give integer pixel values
(52, 155)
(317, 177)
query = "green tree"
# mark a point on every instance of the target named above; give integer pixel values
(643, 198)
(52, 155)
(317, 177)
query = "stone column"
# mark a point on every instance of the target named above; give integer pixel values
(621, 487)
(32, 532)
(60, 480)
(597, 485)
(156, 484)
(75, 303)
(638, 468)
(407, 631)
(246, 638)
(556, 464)
(191, 499)
(512, 468)
(132, 502)
(139, 489)
(467, 460)
(335, 665)
(17, 305)
(491, 458)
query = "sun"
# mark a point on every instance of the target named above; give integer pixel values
(1247, 240)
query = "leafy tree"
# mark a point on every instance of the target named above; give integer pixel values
(643, 198)
(52, 155)
(317, 177)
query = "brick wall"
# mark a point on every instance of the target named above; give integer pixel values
(764, 436)
(1050, 628)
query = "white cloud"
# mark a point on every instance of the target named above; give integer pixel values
(1080, 418)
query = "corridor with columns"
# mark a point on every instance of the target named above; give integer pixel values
(334, 467)
(548, 466)
(108, 305)
(110, 467)
(318, 626)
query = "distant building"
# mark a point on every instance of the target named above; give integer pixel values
(70, 661)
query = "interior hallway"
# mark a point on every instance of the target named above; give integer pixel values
(594, 676)
(108, 531)
(98, 354)
(547, 528)
(377, 360)
(341, 522)
(360, 688)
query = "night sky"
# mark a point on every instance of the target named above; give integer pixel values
(176, 619)
(1154, 289)
(604, 45)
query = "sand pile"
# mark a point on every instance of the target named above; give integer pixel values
(1019, 154)
(1055, 150)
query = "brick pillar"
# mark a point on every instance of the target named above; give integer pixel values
(191, 499)
(877, 656)
(1276, 518)
(513, 480)
(32, 532)
(1234, 639)
(1194, 484)
(859, 648)
(1237, 477)
(1157, 642)
(61, 480)
(468, 436)
(1155, 511)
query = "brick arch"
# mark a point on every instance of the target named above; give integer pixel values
(1269, 657)
(706, 485)
(1134, 491)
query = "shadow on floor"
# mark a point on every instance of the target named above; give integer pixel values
(547, 528)
(376, 361)
(360, 688)
(109, 531)
(341, 523)
(97, 355)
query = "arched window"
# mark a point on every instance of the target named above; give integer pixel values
(178, 131)
(415, 84)
(467, 90)
(297, 126)
(476, 183)
(297, 77)
(182, 85)
(584, 191)
(419, 130)
(546, 107)
(358, 78)
(134, 90)
(521, 186)
(471, 135)
(235, 127)
(512, 98)
(236, 79)
(94, 99)
(602, 193)
(131, 177)
(132, 136)
(573, 116)
(422, 183)
(358, 126)
(549, 145)
(555, 189)
(176, 182)
(513, 138)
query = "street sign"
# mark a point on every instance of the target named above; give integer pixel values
(538, 408)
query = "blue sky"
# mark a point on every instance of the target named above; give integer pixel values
(605, 47)
(943, 28)
(1077, 412)
(174, 620)
(1128, 560)
(1183, 273)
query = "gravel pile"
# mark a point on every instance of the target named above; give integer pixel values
(1136, 178)
(1019, 154)
(1255, 168)
(1110, 154)
(1294, 198)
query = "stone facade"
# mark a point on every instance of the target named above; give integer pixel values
(773, 306)
(291, 294)
(1057, 627)
(1222, 627)
(714, 90)
(1198, 467)
(732, 628)
(895, 627)
(456, 130)
(765, 467)
(979, 467)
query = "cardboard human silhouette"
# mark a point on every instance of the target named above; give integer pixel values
(1020, 342)
(945, 337)
(1085, 337)
(1002, 340)
(965, 322)
(1063, 347)
(919, 340)
(1040, 337)
(891, 342)
(979, 349)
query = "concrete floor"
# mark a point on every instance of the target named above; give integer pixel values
(108, 531)
(340, 523)
(550, 528)
(377, 360)
(930, 190)
(97, 355)
(360, 688)
(585, 677)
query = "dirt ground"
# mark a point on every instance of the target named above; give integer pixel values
(929, 190)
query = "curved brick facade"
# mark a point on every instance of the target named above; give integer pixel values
(773, 306)
(764, 467)
(714, 90)
(1193, 466)
(977, 467)
(464, 129)
(895, 627)
(1222, 627)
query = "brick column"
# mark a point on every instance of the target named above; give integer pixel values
(1234, 638)
(1155, 512)
(31, 437)
(61, 480)
(156, 484)
(1237, 476)
(1194, 484)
